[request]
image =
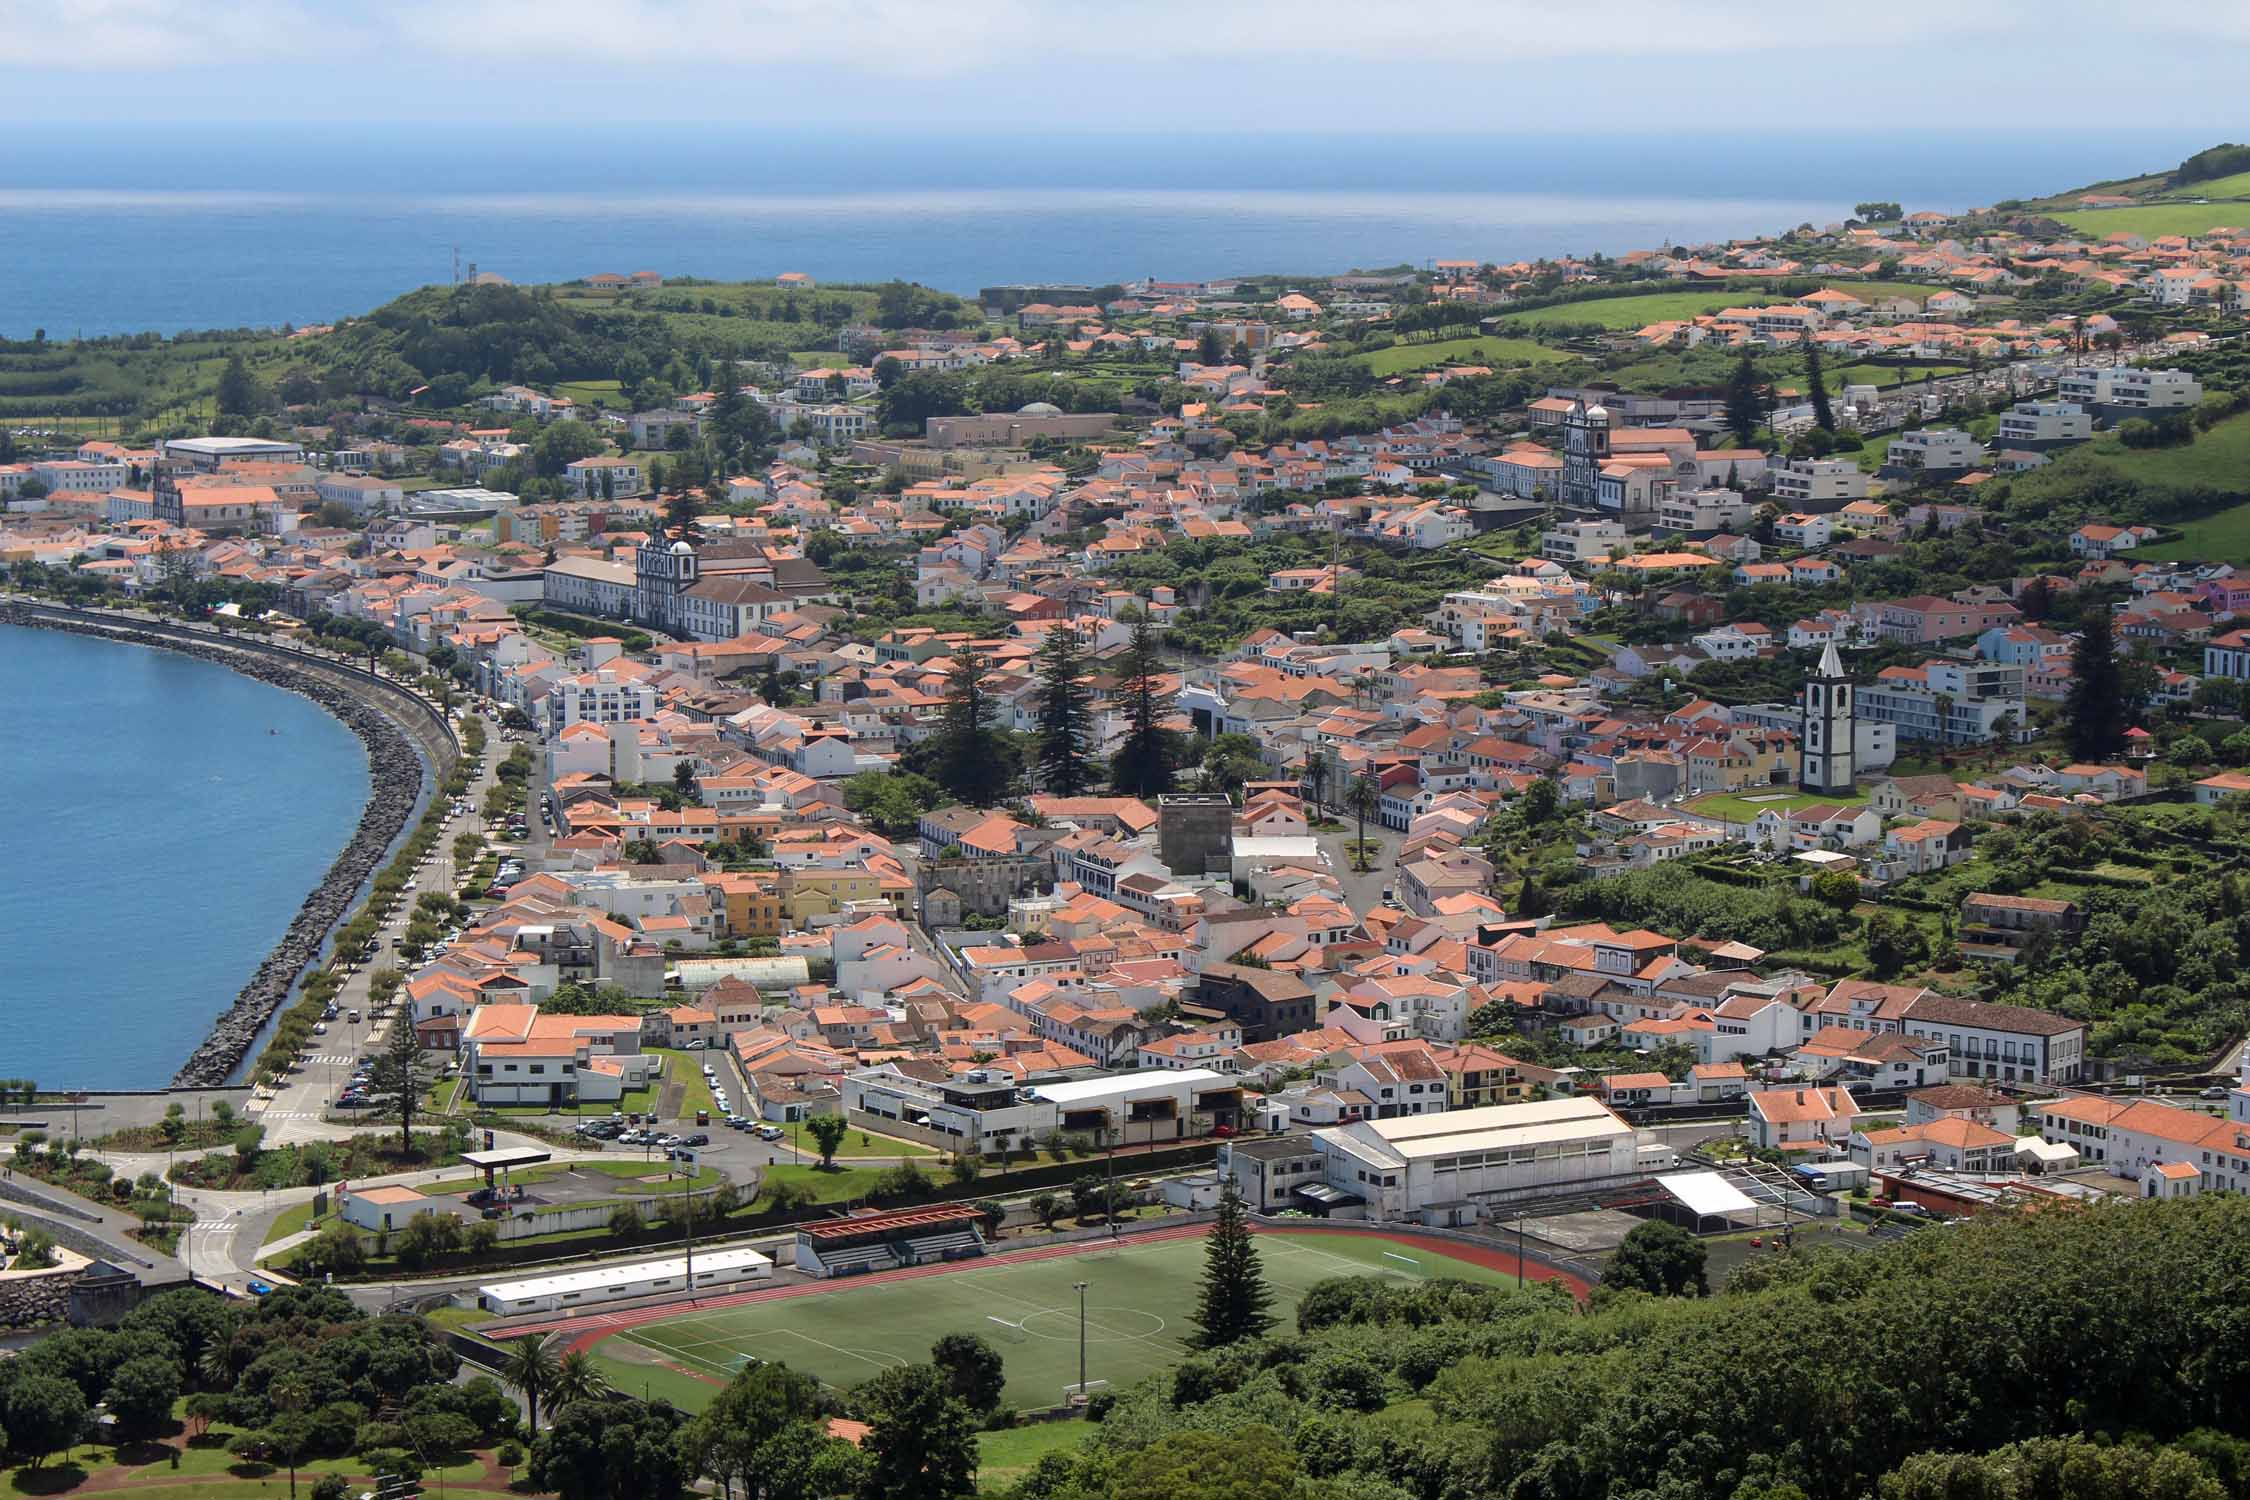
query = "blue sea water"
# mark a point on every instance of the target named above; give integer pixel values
(155, 842)
(124, 229)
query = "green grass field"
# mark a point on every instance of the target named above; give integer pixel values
(686, 1069)
(1482, 349)
(2219, 458)
(1005, 1456)
(1742, 809)
(2223, 536)
(2156, 219)
(1136, 1315)
(1657, 307)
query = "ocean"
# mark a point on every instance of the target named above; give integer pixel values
(111, 229)
(156, 841)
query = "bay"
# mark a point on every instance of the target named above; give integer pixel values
(163, 820)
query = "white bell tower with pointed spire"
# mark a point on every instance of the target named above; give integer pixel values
(1825, 760)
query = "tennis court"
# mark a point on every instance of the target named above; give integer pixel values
(1139, 1297)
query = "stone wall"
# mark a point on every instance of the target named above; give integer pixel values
(37, 1297)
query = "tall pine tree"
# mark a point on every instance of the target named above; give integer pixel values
(1746, 406)
(1066, 714)
(2097, 690)
(969, 763)
(1142, 765)
(1232, 1303)
(1816, 385)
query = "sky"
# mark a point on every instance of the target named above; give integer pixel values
(1091, 65)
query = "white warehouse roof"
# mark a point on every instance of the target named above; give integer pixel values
(1707, 1193)
(1086, 1090)
(604, 1277)
(1448, 1132)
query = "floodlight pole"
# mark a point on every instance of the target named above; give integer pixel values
(1080, 1288)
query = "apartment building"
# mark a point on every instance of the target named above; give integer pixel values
(1817, 482)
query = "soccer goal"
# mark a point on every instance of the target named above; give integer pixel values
(1012, 1328)
(1075, 1394)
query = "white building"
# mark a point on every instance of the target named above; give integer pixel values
(362, 494)
(598, 697)
(1938, 449)
(1578, 541)
(1817, 481)
(1448, 1166)
(604, 478)
(2043, 424)
(1700, 511)
(2125, 389)
(1799, 529)
(1973, 697)
(213, 453)
(619, 1283)
(590, 586)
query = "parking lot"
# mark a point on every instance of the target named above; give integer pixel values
(634, 1128)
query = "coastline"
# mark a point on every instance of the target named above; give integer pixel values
(399, 773)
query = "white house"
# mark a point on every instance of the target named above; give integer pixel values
(1801, 1119)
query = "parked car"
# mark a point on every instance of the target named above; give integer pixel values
(697, 1139)
(770, 1132)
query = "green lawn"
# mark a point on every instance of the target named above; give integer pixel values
(843, 1185)
(2156, 219)
(1482, 349)
(1135, 1316)
(862, 1143)
(1740, 808)
(150, 1467)
(592, 393)
(291, 1220)
(2219, 457)
(1658, 307)
(1005, 1456)
(686, 1068)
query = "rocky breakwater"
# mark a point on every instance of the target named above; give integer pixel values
(396, 771)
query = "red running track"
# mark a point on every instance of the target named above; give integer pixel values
(584, 1330)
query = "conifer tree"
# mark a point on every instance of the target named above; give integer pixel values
(1232, 1304)
(1065, 714)
(969, 764)
(2097, 690)
(1816, 382)
(1745, 402)
(1142, 765)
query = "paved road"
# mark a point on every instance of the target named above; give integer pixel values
(1362, 893)
(296, 1111)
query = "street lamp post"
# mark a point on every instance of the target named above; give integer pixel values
(1080, 1288)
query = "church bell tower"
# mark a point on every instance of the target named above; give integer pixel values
(1825, 754)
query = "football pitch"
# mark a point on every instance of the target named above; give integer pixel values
(1139, 1297)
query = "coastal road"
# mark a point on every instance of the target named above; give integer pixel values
(297, 1111)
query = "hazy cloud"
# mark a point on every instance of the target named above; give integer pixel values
(1174, 64)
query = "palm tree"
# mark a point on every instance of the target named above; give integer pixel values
(531, 1368)
(576, 1379)
(214, 1368)
(1361, 795)
(288, 1394)
(1318, 768)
